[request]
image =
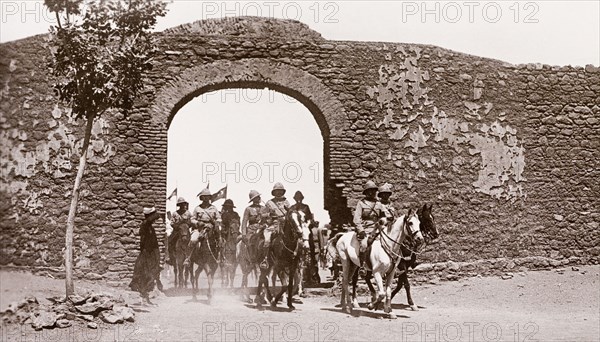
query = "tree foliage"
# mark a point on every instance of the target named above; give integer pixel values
(101, 51)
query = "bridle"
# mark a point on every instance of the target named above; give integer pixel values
(411, 234)
(297, 232)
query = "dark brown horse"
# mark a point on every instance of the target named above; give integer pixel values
(410, 250)
(284, 257)
(177, 245)
(206, 256)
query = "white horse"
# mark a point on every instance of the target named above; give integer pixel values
(381, 261)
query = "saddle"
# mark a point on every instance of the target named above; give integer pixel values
(363, 254)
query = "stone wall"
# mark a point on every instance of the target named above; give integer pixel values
(508, 154)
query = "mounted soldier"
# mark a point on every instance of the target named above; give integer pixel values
(231, 220)
(181, 221)
(366, 215)
(384, 193)
(251, 220)
(251, 230)
(205, 217)
(273, 213)
(229, 234)
(179, 239)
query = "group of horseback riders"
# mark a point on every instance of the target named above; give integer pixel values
(258, 220)
(262, 220)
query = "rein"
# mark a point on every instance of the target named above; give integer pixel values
(388, 250)
(393, 255)
(209, 248)
(295, 251)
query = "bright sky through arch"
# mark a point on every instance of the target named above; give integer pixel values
(247, 139)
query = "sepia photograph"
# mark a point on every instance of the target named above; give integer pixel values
(310, 170)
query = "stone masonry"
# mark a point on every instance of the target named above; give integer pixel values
(508, 154)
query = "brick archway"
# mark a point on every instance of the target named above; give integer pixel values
(327, 110)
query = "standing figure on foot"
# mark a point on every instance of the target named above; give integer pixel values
(146, 272)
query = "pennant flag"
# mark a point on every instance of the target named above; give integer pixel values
(221, 194)
(174, 193)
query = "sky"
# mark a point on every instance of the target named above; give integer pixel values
(249, 139)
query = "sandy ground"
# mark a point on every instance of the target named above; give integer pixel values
(533, 306)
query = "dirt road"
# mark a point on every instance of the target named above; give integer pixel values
(533, 306)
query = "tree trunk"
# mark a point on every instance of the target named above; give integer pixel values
(70, 289)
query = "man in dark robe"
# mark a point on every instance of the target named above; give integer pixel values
(146, 272)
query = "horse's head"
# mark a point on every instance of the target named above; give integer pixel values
(427, 219)
(413, 227)
(300, 224)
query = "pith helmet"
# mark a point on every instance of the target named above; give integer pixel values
(385, 188)
(277, 186)
(253, 194)
(228, 203)
(298, 196)
(204, 192)
(181, 200)
(369, 185)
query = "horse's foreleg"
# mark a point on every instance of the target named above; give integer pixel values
(274, 278)
(348, 271)
(223, 272)
(175, 274)
(387, 307)
(290, 288)
(299, 277)
(368, 277)
(402, 269)
(354, 282)
(194, 278)
(284, 281)
(380, 292)
(210, 275)
(407, 288)
(263, 280)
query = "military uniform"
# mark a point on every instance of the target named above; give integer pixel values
(231, 221)
(274, 211)
(388, 208)
(251, 220)
(205, 218)
(181, 223)
(367, 213)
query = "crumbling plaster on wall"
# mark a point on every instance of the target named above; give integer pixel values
(24, 156)
(402, 94)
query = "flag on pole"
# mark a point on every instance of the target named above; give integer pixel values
(174, 193)
(221, 194)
